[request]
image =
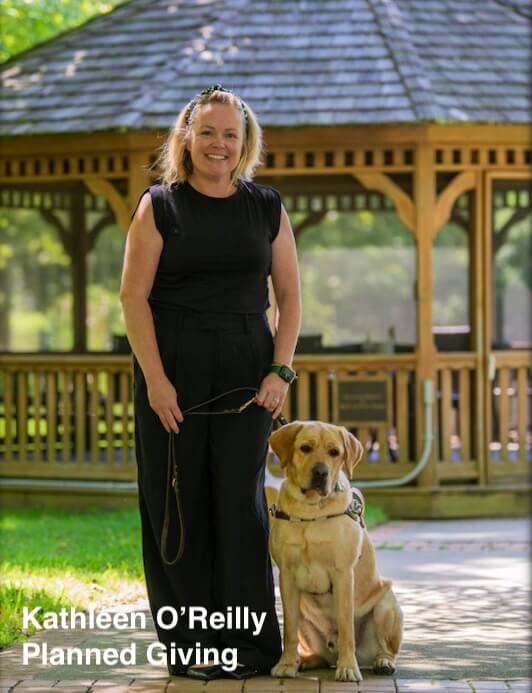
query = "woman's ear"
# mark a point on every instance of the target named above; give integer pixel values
(282, 441)
(353, 452)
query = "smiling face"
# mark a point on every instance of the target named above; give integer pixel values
(215, 141)
(314, 453)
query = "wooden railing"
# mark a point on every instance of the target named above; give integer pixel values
(458, 435)
(72, 416)
(501, 452)
(509, 421)
(67, 417)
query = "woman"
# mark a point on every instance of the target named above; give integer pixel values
(194, 295)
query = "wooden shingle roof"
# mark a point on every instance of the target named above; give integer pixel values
(297, 62)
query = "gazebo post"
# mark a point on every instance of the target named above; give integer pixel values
(479, 226)
(425, 209)
(80, 247)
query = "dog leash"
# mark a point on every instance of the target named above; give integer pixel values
(172, 481)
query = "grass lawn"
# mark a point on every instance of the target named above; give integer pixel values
(60, 558)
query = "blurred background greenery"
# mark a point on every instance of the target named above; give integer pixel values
(28, 22)
(358, 274)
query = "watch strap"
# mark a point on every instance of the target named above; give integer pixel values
(281, 369)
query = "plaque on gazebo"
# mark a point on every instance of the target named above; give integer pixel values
(362, 401)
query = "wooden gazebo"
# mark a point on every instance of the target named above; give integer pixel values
(417, 104)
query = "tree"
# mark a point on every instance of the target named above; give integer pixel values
(26, 23)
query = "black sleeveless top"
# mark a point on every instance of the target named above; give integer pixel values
(217, 251)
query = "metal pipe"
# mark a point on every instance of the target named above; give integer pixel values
(428, 438)
(68, 484)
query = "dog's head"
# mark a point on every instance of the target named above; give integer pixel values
(313, 453)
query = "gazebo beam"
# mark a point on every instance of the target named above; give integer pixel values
(462, 183)
(103, 188)
(384, 184)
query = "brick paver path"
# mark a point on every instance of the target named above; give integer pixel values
(263, 684)
(466, 628)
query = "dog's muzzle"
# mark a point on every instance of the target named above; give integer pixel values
(319, 478)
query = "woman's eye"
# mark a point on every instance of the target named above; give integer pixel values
(305, 448)
(334, 452)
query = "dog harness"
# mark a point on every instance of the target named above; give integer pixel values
(355, 510)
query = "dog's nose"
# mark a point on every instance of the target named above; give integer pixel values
(320, 471)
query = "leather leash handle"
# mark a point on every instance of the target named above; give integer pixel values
(172, 482)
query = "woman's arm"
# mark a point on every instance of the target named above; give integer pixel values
(285, 280)
(143, 250)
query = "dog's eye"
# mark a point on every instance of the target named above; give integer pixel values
(305, 448)
(334, 452)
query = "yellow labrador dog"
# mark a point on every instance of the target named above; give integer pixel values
(332, 593)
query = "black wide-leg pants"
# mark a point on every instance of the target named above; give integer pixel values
(221, 461)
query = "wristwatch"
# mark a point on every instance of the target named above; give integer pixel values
(284, 372)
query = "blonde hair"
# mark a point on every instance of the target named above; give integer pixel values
(174, 162)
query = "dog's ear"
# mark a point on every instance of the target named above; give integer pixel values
(282, 441)
(354, 451)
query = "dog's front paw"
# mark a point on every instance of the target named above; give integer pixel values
(383, 666)
(286, 668)
(348, 671)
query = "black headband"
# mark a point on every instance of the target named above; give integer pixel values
(207, 92)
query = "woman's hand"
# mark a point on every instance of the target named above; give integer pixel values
(162, 397)
(272, 394)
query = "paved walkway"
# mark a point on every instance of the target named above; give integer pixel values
(463, 586)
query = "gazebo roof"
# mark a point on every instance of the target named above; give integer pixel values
(299, 62)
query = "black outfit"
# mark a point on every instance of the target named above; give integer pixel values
(208, 302)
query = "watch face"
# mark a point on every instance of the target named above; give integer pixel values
(287, 374)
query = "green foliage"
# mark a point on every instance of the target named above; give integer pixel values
(354, 230)
(13, 599)
(35, 275)
(451, 270)
(374, 515)
(357, 276)
(105, 317)
(514, 258)
(26, 23)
